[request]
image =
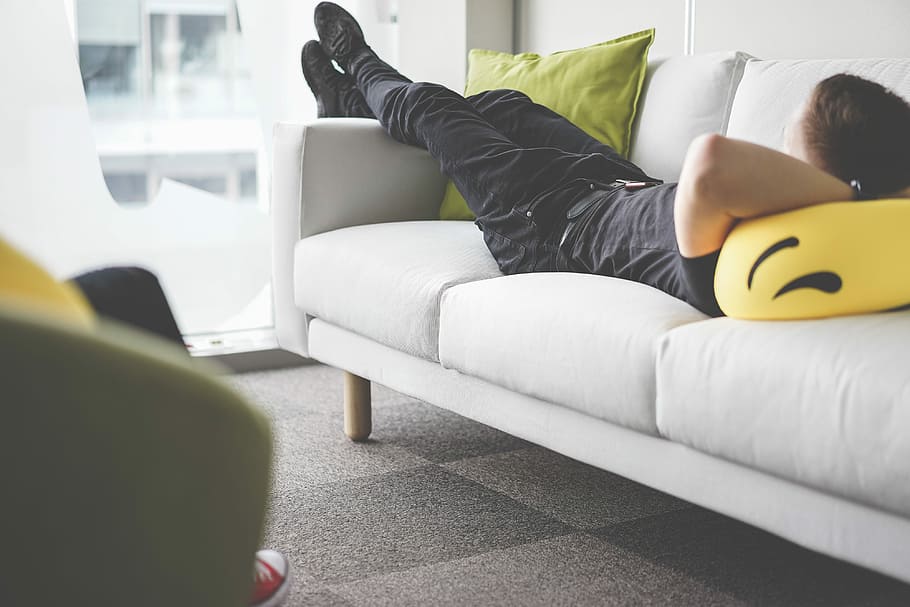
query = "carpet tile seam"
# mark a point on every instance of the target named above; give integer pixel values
(452, 461)
(514, 542)
(346, 480)
(333, 586)
(512, 499)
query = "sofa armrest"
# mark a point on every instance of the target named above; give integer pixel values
(335, 173)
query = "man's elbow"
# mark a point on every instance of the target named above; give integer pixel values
(705, 172)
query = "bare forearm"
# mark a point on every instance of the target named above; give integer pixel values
(748, 180)
(725, 180)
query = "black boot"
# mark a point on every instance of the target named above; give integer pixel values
(336, 93)
(339, 33)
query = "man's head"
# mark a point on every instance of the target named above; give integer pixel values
(855, 129)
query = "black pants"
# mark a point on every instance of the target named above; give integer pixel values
(523, 169)
(133, 296)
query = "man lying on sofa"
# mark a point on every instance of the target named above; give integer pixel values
(550, 197)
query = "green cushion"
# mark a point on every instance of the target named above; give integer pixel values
(596, 87)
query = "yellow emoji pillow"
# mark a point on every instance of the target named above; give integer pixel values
(826, 260)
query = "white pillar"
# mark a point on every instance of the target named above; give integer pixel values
(434, 36)
(690, 28)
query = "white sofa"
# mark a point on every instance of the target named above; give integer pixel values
(800, 428)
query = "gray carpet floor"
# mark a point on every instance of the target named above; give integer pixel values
(439, 510)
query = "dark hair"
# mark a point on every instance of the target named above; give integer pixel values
(858, 129)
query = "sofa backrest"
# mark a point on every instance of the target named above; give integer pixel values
(771, 92)
(734, 94)
(682, 98)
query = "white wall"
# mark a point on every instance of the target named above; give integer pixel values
(805, 29)
(431, 41)
(276, 30)
(434, 36)
(546, 26)
(768, 29)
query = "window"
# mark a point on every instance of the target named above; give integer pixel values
(127, 187)
(249, 185)
(177, 133)
(109, 70)
(212, 184)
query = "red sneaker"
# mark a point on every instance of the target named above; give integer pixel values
(270, 578)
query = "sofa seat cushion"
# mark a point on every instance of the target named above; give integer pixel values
(385, 281)
(824, 402)
(586, 342)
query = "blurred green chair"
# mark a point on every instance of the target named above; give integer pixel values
(130, 475)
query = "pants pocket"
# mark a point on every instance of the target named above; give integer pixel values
(511, 256)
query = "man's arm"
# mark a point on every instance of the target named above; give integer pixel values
(724, 180)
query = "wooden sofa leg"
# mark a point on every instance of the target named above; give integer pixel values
(357, 407)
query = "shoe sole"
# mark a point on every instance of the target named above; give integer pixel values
(334, 11)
